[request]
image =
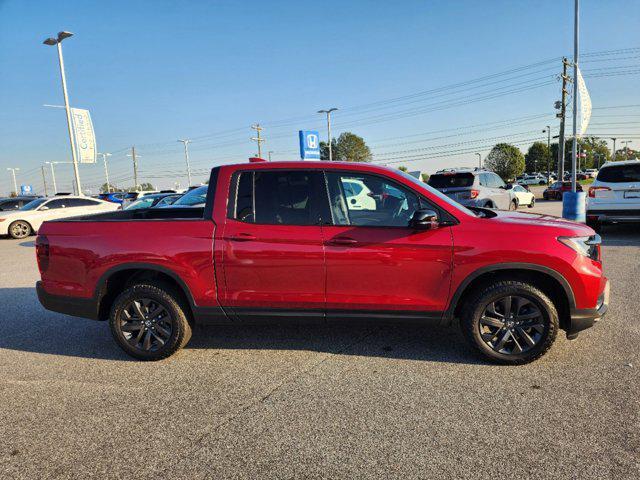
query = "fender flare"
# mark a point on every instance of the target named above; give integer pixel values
(100, 289)
(455, 298)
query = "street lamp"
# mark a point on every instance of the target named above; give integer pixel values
(106, 169)
(15, 184)
(479, 160)
(186, 143)
(58, 43)
(328, 112)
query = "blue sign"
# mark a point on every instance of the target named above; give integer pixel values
(309, 145)
(26, 189)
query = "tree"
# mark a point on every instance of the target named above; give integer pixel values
(402, 168)
(108, 188)
(505, 160)
(425, 177)
(324, 149)
(537, 157)
(348, 147)
(141, 187)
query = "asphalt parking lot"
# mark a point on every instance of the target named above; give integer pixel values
(311, 402)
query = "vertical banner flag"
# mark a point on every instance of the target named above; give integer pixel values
(84, 136)
(309, 145)
(585, 105)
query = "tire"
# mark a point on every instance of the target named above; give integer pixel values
(533, 202)
(20, 229)
(596, 225)
(155, 337)
(505, 341)
(513, 205)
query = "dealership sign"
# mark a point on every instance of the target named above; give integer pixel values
(309, 145)
(84, 135)
(26, 189)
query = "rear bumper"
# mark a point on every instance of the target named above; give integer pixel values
(74, 306)
(631, 215)
(581, 319)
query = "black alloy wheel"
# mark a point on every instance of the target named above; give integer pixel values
(512, 324)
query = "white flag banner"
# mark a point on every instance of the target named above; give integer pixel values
(585, 105)
(84, 136)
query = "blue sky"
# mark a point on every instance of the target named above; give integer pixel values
(155, 71)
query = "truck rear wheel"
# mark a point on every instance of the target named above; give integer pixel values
(148, 320)
(510, 322)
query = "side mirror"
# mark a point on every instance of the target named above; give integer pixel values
(508, 186)
(424, 219)
(43, 208)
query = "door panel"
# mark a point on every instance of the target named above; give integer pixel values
(272, 250)
(375, 268)
(374, 261)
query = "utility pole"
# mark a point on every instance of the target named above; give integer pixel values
(58, 43)
(479, 160)
(186, 143)
(269, 153)
(15, 184)
(574, 149)
(548, 132)
(257, 138)
(328, 112)
(613, 154)
(135, 167)
(44, 181)
(53, 176)
(106, 170)
(562, 116)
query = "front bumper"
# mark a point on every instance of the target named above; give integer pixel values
(74, 306)
(581, 319)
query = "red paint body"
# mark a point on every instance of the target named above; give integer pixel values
(227, 263)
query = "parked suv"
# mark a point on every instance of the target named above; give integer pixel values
(474, 188)
(614, 196)
(280, 242)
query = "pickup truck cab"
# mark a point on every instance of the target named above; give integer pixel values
(279, 241)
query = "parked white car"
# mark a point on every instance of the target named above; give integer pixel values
(22, 223)
(524, 196)
(614, 196)
(358, 195)
(535, 179)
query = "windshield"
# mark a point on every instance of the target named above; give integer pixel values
(437, 193)
(194, 198)
(451, 180)
(34, 204)
(142, 203)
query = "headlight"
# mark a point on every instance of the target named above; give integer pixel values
(587, 246)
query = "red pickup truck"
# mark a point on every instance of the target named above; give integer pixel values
(324, 242)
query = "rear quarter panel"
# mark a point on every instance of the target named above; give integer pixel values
(83, 252)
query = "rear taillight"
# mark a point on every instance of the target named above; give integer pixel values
(593, 190)
(42, 252)
(474, 194)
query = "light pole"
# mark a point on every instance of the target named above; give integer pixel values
(15, 184)
(53, 176)
(574, 149)
(58, 43)
(269, 153)
(613, 154)
(186, 143)
(328, 112)
(479, 160)
(106, 169)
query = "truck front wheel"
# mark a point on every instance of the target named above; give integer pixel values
(510, 322)
(149, 322)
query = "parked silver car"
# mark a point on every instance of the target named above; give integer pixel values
(474, 188)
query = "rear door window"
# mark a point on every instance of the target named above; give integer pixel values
(620, 174)
(451, 180)
(280, 197)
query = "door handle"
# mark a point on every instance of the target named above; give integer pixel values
(343, 241)
(241, 237)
